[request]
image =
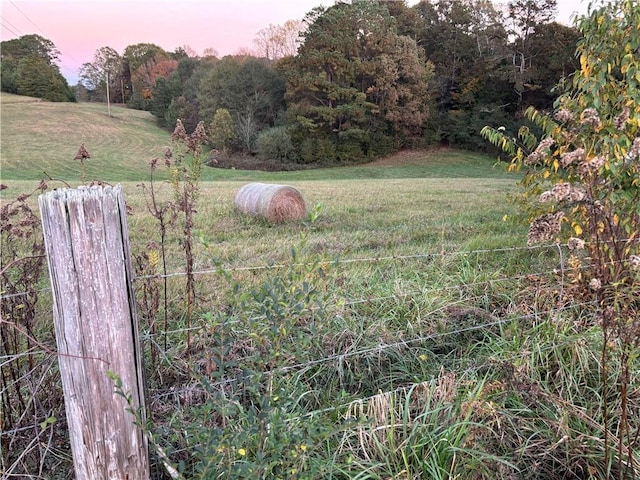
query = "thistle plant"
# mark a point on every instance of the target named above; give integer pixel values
(165, 215)
(185, 166)
(582, 186)
(82, 155)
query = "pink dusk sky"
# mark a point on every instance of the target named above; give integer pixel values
(79, 28)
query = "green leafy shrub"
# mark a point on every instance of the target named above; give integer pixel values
(222, 130)
(275, 144)
(582, 186)
(317, 150)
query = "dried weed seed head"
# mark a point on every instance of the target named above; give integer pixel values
(561, 191)
(547, 196)
(592, 166)
(197, 139)
(545, 227)
(620, 121)
(634, 151)
(82, 154)
(596, 207)
(577, 194)
(563, 115)
(570, 158)
(541, 151)
(179, 133)
(199, 135)
(575, 244)
(590, 117)
(596, 163)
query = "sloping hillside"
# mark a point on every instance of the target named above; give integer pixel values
(40, 136)
(40, 139)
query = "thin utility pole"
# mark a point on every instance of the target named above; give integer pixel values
(108, 99)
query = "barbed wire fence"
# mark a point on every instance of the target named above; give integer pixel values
(38, 430)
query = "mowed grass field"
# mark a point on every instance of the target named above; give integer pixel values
(443, 199)
(39, 137)
(42, 137)
(397, 335)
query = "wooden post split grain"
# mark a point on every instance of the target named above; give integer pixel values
(86, 239)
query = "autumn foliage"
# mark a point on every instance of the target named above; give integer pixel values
(582, 186)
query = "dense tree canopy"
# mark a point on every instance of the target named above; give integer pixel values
(142, 59)
(552, 59)
(242, 84)
(466, 41)
(30, 46)
(350, 82)
(28, 68)
(356, 87)
(104, 69)
(250, 89)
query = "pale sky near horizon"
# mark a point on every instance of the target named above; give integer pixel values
(80, 27)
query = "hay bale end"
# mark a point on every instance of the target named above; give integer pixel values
(275, 203)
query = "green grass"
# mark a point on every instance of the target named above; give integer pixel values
(412, 336)
(410, 203)
(40, 137)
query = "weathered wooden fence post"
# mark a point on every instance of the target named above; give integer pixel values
(86, 239)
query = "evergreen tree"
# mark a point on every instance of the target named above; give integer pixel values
(356, 87)
(28, 68)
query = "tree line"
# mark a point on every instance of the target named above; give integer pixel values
(352, 81)
(29, 68)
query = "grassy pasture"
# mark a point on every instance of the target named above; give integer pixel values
(412, 336)
(358, 219)
(42, 137)
(410, 202)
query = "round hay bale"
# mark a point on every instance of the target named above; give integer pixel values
(275, 203)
